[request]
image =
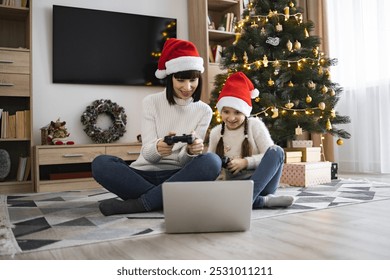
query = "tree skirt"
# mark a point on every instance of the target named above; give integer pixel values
(43, 221)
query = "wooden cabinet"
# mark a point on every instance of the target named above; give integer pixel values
(200, 14)
(15, 93)
(62, 168)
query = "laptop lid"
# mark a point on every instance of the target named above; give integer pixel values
(212, 206)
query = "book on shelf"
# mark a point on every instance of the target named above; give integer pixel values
(27, 170)
(27, 124)
(16, 125)
(11, 126)
(211, 55)
(19, 124)
(21, 168)
(215, 53)
(228, 21)
(14, 3)
(1, 122)
(4, 124)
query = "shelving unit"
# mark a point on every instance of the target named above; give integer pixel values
(15, 88)
(64, 168)
(199, 13)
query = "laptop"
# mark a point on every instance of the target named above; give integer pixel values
(207, 206)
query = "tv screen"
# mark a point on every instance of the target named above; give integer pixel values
(103, 47)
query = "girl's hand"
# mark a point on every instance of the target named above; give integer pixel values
(236, 165)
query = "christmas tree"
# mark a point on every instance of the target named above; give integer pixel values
(274, 48)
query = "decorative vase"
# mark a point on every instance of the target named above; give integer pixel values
(5, 164)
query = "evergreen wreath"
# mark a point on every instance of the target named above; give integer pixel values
(117, 114)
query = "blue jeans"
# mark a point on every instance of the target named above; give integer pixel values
(267, 175)
(126, 182)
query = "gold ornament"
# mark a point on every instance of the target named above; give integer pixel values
(286, 12)
(265, 61)
(289, 45)
(315, 51)
(327, 73)
(275, 112)
(257, 99)
(263, 32)
(321, 105)
(245, 58)
(306, 33)
(340, 142)
(332, 92)
(333, 113)
(297, 45)
(324, 89)
(234, 57)
(271, 82)
(290, 84)
(308, 99)
(311, 85)
(289, 105)
(298, 130)
(328, 125)
(279, 27)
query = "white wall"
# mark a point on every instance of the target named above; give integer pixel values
(51, 101)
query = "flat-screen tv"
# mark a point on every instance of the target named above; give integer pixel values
(108, 48)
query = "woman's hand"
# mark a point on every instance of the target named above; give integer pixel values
(196, 148)
(236, 165)
(163, 148)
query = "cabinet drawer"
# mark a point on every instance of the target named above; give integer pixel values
(125, 152)
(14, 62)
(14, 84)
(68, 155)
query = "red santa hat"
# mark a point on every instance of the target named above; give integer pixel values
(178, 55)
(237, 94)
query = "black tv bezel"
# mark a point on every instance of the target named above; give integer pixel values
(56, 79)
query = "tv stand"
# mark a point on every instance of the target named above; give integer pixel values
(65, 168)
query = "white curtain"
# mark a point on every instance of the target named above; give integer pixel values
(359, 37)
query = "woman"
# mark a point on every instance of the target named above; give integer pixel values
(245, 144)
(177, 110)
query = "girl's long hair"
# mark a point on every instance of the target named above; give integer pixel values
(246, 148)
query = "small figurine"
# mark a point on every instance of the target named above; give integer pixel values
(58, 134)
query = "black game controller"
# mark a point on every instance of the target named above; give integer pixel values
(225, 161)
(172, 139)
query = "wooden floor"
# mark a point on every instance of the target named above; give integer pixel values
(354, 232)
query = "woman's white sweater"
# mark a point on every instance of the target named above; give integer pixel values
(158, 119)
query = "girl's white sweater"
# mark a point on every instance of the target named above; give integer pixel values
(258, 136)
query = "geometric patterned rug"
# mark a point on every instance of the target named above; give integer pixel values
(43, 221)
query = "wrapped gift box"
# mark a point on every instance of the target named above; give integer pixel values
(295, 156)
(312, 154)
(302, 143)
(306, 174)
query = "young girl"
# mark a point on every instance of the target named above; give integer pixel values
(177, 110)
(245, 144)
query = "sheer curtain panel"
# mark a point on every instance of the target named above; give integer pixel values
(359, 37)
